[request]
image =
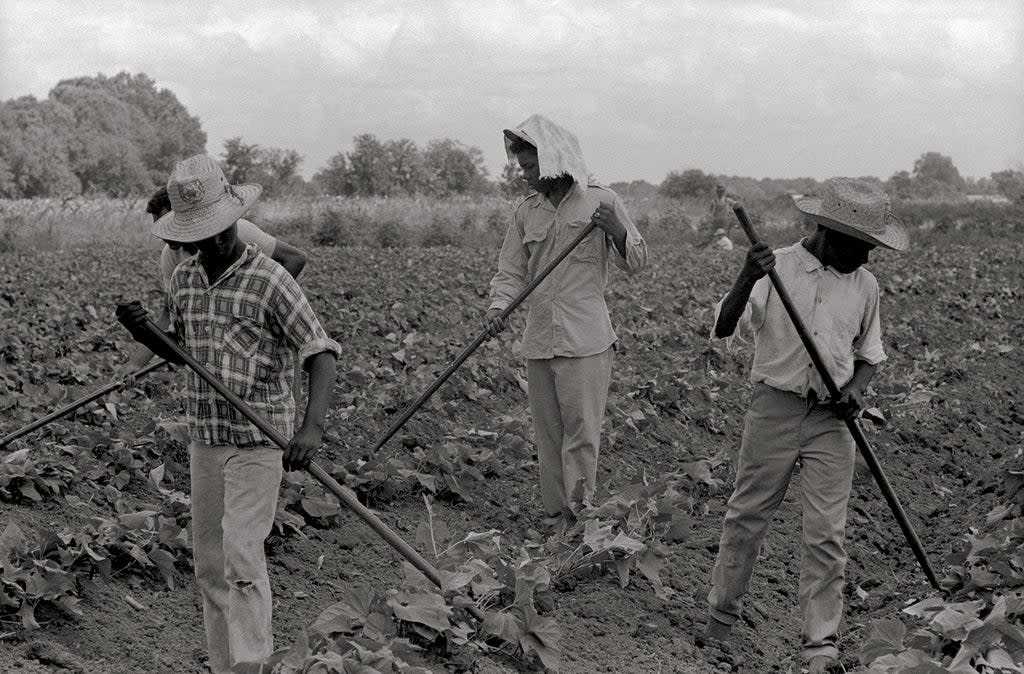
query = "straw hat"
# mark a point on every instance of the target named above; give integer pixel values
(203, 204)
(859, 209)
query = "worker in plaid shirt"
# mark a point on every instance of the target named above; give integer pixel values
(245, 318)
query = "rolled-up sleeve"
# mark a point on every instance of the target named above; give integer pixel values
(299, 324)
(636, 247)
(512, 273)
(753, 314)
(868, 345)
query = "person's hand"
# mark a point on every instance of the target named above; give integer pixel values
(850, 403)
(132, 315)
(605, 218)
(493, 322)
(760, 260)
(302, 448)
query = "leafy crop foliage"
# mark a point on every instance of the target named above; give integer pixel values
(119, 471)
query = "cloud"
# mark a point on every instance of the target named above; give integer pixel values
(742, 87)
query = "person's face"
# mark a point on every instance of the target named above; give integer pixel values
(189, 248)
(530, 165)
(220, 246)
(845, 253)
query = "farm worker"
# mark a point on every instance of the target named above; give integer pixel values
(176, 252)
(568, 344)
(247, 319)
(718, 220)
(789, 421)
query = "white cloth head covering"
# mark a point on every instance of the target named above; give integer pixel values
(558, 151)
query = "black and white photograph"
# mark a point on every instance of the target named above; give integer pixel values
(480, 337)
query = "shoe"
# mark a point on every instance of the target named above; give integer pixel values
(717, 631)
(821, 664)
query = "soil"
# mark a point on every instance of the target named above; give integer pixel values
(946, 309)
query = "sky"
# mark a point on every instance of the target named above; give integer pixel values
(763, 89)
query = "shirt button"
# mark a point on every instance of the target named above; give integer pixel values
(810, 364)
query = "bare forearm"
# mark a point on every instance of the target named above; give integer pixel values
(863, 371)
(733, 305)
(322, 373)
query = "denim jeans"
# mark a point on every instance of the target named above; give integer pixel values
(567, 403)
(234, 497)
(781, 429)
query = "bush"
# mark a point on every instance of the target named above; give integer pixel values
(337, 228)
(438, 232)
(388, 234)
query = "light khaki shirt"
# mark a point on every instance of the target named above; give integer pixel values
(840, 311)
(567, 311)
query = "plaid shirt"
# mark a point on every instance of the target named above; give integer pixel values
(245, 329)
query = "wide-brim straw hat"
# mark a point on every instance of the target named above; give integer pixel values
(203, 204)
(859, 209)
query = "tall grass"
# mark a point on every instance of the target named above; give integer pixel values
(468, 222)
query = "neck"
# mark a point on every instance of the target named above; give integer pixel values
(815, 245)
(218, 265)
(558, 190)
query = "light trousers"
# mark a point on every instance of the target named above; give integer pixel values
(567, 402)
(234, 496)
(780, 430)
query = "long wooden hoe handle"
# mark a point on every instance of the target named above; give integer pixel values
(480, 339)
(71, 407)
(344, 494)
(851, 423)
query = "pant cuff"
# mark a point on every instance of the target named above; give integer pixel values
(724, 618)
(827, 651)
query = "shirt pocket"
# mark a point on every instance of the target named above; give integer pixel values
(244, 351)
(587, 249)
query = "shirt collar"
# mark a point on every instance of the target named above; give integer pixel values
(543, 202)
(811, 263)
(248, 254)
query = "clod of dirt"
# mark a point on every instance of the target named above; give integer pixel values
(53, 655)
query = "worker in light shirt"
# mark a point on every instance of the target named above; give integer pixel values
(176, 252)
(789, 422)
(568, 344)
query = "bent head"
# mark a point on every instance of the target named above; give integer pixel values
(189, 248)
(220, 246)
(842, 252)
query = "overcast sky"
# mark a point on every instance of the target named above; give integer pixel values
(782, 89)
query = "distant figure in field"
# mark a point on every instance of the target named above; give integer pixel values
(232, 307)
(568, 344)
(790, 421)
(717, 222)
(176, 252)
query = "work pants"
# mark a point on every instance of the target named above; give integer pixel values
(780, 430)
(567, 402)
(234, 497)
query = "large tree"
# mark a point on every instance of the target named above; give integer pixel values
(34, 149)
(455, 167)
(274, 168)
(97, 135)
(692, 183)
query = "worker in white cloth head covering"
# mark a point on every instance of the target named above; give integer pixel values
(568, 343)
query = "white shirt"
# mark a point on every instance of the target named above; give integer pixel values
(839, 311)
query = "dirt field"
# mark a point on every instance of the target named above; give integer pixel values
(953, 327)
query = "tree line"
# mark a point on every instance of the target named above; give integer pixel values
(934, 177)
(120, 136)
